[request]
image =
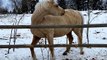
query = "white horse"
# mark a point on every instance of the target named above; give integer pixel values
(49, 13)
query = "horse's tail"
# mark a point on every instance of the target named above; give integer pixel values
(82, 22)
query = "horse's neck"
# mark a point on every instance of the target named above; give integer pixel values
(38, 16)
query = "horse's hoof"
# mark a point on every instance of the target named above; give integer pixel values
(81, 53)
(65, 53)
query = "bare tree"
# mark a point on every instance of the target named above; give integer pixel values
(2, 9)
(17, 5)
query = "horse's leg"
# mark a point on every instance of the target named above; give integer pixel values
(70, 38)
(78, 32)
(34, 42)
(50, 41)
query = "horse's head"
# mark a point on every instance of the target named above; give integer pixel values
(52, 8)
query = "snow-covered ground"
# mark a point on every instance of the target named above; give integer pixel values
(24, 36)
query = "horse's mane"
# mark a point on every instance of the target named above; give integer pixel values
(41, 5)
(39, 9)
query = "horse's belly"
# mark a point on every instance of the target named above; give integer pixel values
(57, 32)
(38, 33)
(61, 32)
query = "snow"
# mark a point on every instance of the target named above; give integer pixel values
(96, 36)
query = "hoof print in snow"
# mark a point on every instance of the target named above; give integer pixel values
(93, 59)
(97, 32)
(68, 59)
(104, 38)
(81, 53)
(65, 53)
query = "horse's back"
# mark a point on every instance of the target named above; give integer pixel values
(74, 16)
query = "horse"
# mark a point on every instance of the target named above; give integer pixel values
(49, 13)
(42, 9)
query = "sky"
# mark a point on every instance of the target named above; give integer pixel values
(7, 4)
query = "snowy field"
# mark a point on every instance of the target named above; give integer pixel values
(24, 36)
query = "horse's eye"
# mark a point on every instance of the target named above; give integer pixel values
(56, 5)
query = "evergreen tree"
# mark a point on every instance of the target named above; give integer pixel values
(71, 4)
(24, 7)
(62, 3)
(32, 5)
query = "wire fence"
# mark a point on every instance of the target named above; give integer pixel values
(52, 26)
(55, 45)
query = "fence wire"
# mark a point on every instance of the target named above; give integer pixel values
(52, 26)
